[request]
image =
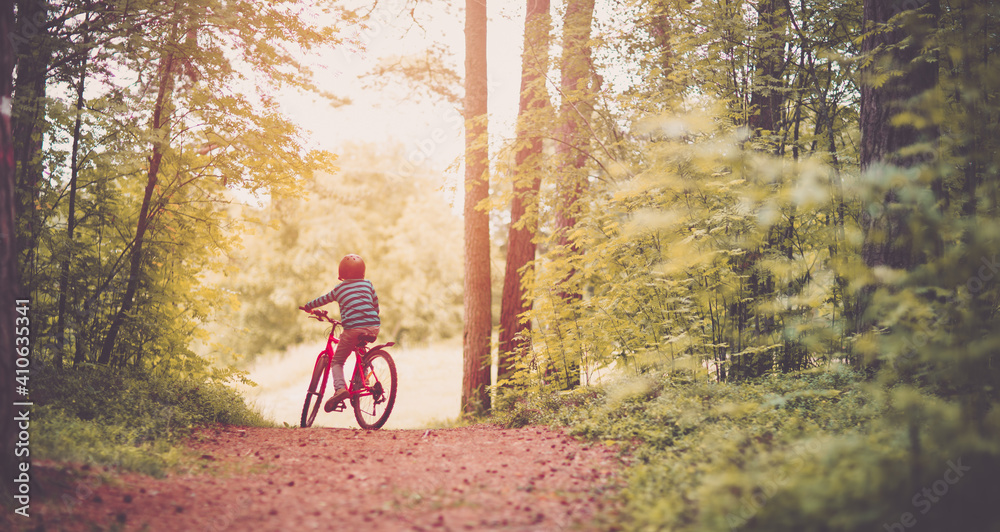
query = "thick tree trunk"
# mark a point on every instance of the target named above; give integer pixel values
(33, 51)
(881, 142)
(766, 98)
(9, 287)
(887, 241)
(160, 126)
(527, 182)
(477, 299)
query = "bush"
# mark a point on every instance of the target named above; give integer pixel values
(823, 449)
(131, 419)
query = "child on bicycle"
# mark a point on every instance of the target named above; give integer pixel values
(358, 314)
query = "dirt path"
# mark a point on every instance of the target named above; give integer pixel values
(470, 478)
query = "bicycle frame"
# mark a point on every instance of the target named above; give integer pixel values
(371, 390)
(357, 377)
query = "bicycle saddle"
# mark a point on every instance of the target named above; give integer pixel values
(366, 338)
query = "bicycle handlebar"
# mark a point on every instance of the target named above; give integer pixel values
(320, 315)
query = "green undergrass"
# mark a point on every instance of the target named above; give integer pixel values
(128, 420)
(824, 449)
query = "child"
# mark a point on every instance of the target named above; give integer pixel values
(358, 313)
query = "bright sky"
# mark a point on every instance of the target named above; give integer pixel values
(431, 133)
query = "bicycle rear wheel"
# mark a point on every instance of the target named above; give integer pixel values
(314, 395)
(373, 405)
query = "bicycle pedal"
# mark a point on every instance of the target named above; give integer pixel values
(340, 407)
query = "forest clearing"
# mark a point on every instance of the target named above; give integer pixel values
(721, 265)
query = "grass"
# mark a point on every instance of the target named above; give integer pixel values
(825, 449)
(128, 420)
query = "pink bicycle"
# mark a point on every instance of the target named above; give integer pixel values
(372, 386)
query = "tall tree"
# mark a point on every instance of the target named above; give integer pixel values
(521, 246)
(8, 259)
(764, 121)
(575, 79)
(33, 47)
(74, 162)
(478, 319)
(160, 127)
(898, 72)
(576, 87)
(766, 95)
(192, 132)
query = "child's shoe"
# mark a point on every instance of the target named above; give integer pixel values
(338, 396)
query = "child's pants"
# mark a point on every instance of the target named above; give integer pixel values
(348, 341)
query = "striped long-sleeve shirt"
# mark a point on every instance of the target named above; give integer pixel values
(357, 300)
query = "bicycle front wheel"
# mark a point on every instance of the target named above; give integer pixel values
(314, 395)
(373, 405)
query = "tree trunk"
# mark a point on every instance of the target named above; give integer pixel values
(70, 218)
(160, 125)
(8, 264)
(527, 182)
(477, 298)
(763, 120)
(661, 31)
(574, 112)
(881, 141)
(33, 52)
(572, 149)
(765, 97)
(887, 241)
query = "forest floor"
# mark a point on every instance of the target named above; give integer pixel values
(478, 477)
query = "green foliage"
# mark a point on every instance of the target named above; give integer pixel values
(814, 450)
(131, 419)
(70, 439)
(937, 321)
(702, 237)
(712, 244)
(176, 92)
(400, 224)
(706, 242)
(713, 254)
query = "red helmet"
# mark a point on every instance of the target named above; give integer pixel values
(352, 267)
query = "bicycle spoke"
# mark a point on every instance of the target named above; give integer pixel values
(372, 407)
